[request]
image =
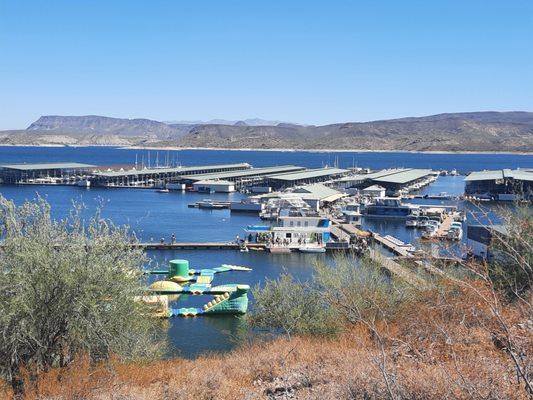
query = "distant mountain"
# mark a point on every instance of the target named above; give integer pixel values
(245, 122)
(94, 124)
(481, 131)
(474, 131)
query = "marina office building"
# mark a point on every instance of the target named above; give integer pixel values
(500, 185)
(50, 173)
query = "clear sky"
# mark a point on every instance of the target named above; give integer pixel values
(302, 61)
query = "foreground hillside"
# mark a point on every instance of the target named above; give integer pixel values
(445, 346)
(481, 131)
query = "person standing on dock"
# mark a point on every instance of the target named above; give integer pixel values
(173, 239)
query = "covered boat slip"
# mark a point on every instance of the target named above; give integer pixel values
(149, 176)
(503, 184)
(250, 175)
(392, 180)
(58, 173)
(305, 177)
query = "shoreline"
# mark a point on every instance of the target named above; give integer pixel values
(287, 150)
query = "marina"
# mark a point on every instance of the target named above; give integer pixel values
(212, 236)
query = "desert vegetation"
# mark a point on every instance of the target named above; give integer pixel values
(67, 289)
(350, 333)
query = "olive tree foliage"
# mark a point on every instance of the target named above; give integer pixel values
(68, 288)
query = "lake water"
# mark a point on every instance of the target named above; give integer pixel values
(156, 215)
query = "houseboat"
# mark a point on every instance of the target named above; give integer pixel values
(294, 232)
(390, 207)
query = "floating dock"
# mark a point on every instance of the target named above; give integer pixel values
(198, 246)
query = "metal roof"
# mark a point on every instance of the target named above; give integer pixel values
(518, 174)
(372, 175)
(373, 187)
(244, 173)
(484, 176)
(214, 182)
(404, 176)
(133, 172)
(307, 174)
(316, 191)
(45, 166)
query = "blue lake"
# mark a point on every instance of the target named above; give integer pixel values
(154, 215)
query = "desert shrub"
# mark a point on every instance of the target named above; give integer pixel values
(67, 289)
(511, 270)
(292, 307)
(360, 291)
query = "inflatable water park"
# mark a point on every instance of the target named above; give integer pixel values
(180, 279)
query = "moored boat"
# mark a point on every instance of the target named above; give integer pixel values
(312, 249)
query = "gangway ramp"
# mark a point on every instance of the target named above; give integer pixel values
(396, 269)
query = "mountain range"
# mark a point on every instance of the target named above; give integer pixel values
(472, 131)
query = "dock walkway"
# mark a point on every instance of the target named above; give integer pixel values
(396, 269)
(444, 227)
(390, 245)
(198, 246)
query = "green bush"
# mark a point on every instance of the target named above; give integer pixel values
(67, 288)
(292, 307)
(358, 290)
(349, 291)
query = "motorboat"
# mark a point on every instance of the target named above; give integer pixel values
(411, 222)
(422, 222)
(430, 231)
(210, 204)
(164, 190)
(455, 232)
(312, 249)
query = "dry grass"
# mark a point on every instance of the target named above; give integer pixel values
(442, 347)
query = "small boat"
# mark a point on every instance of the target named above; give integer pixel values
(411, 222)
(429, 232)
(312, 249)
(164, 190)
(210, 204)
(422, 222)
(455, 232)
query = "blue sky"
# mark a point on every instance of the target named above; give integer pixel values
(302, 61)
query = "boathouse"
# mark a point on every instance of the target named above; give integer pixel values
(49, 173)
(502, 184)
(148, 177)
(481, 240)
(242, 177)
(308, 176)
